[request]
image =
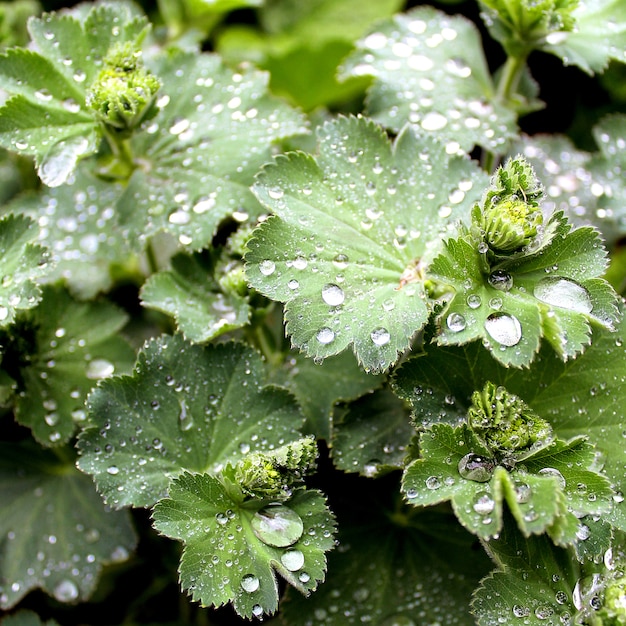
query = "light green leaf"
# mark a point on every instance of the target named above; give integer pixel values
(233, 550)
(197, 168)
(190, 293)
(373, 435)
(47, 116)
(56, 353)
(318, 387)
(429, 69)
(184, 408)
(22, 263)
(598, 37)
(392, 565)
(533, 583)
(78, 225)
(552, 293)
(352, 233)
(57, 533)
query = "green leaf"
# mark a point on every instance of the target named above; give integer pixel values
(191, 294)
(579, 397)
(185, 407)
(318, 387)
(429, 69)
(346, 250)
(73, 345)
(533, 583)
(57, 533)
(78, 225)
(231, 556)
(26, 618)
(598, 37)
(392, 565)
(22, 263)
(196, 169)
(552, 293)
(534, 495)
(47, 116)
(372, 437)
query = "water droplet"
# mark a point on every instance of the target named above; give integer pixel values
(474, 301)
(434, 121)
(475, 467)
(456, 322)
(293, 560)
(113, 470)
(325, 335)
(185, 419)
(504, 328)
(303, 577)
(544, 612)
(179, 217)
(44, 95)
(433, 482)
(79, 76)
(276, 193)
(564, 293)
(250, 583)
(520, 611)
(523, 493)
(340, 261)
(277, 525)
(380, 336)
(179, 125)
(583, 532)
(257, 610)
(501, 280)
(267, 267)
(560, 597)
(4, 313)
(99, 368)
(484, 504)
(66, 591)
(551, 471)
(333, 294)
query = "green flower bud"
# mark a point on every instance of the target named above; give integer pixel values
(510, 218)
(505, 422)
(274, 474)
(123, 93)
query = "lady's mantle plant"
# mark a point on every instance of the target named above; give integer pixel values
(350, 361)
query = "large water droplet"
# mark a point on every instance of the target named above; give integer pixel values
(456, 322)
(504, 328)
(564, 293)
(325, 335)
(250, 583)
(433, 482)
(277, 525)
(551, 471)
(293, 560)
(475, 467)
(380, 336)
(267, 267)
(333, 294)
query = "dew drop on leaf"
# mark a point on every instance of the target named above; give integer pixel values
(257, 610)
(277, 525)
(293, 560)
(551, 471)
(484, 504)
(250, 583)
(474, 301)
(520, 611)
(563, 293)
(434, 121)
(267, 267)
(380, 336)
(504, 328)
(66, 591)
(185, 419)
(333, 295)
(99, 368)
(325, 335)
(501, 280)
(433, 482)
(475, 467)
(456, 322)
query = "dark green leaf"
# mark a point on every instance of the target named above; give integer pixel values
(230, 556)
(184, 408)
(57, 533)
(354, 229)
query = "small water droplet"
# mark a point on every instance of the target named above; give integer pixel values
(66, 591)
(433, 482)
(475, 467)
(113, 470)
(293, 560)
(276, 193)
(564, 293)
(434, 121)
(474, 301)
(484, 504)
(257, 610)
(583, 532)
(250, 583)
(99, 368)
(267, 267)
(551, 471)
(179, 125)
(185, 419)
(456, 322)
(544, 612)
(277, 525)
(520, 611)
(504, 328)
(500, 280)
(333, 295)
